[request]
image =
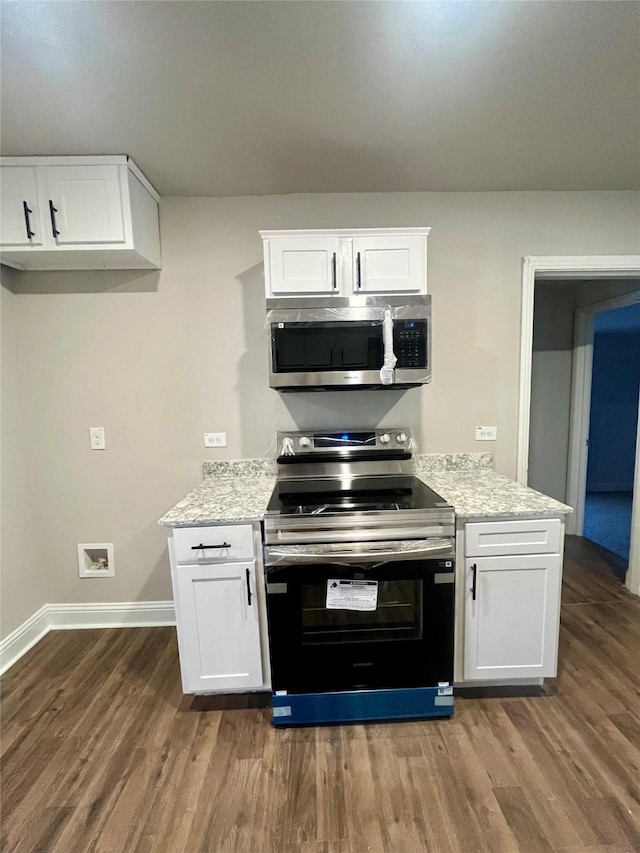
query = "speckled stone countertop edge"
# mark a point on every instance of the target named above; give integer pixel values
(486, 495)
(478, 493)
(422, 462)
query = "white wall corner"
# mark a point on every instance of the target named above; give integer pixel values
(25, 636)
(126, 614)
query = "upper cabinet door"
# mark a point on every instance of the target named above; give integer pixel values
(390, 264)
(84, 204)
(307, 266)
(19, 210)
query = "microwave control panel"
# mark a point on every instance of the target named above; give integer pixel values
(410, 343)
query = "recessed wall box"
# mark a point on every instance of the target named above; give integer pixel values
(95, 560)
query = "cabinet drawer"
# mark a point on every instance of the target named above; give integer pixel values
(205, 544)
(527, 536)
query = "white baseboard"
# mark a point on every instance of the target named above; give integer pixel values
(24, 637)
(56, 617)
(127, 614)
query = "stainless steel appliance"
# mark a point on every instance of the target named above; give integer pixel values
(360, 563)
(339, 343)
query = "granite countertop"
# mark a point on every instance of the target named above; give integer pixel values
(236, 491)
(485, 494)
(220, 499)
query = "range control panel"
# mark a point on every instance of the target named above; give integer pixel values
(379, 440)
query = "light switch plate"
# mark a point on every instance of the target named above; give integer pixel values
(215, 439)
(486, 433)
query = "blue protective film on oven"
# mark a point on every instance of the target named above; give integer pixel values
(351, 706)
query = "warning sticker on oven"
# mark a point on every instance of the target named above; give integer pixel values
(352, 595)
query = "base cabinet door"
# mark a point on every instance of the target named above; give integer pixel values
(511, 616)
(218, 626)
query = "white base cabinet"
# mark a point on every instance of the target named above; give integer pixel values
(366, 261)
(219, 628)
(218, 591)
(511, 627)
(512, 586)
(77, 213)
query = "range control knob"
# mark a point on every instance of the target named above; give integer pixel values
(384, 438)
(401, 437)
(305, 441)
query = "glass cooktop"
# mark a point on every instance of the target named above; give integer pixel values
(358, 494)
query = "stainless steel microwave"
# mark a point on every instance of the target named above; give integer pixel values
(338, 343)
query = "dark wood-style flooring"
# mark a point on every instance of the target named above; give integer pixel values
(102, 752)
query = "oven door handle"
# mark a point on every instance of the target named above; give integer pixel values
(293, 555)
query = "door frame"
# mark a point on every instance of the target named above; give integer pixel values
(565, 266)
(582, 370)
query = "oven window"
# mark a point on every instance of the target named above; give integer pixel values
(398, 615)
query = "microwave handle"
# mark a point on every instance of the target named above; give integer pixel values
(358, 271)
(334, 276)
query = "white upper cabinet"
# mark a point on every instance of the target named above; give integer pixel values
(303, 265)
(77, 213)
(390, 264)
(345, 262)
(85, 204)
(20, 218)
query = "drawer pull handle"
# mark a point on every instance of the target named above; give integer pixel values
(474, 569)
(27, 221)
(248, 586)
(202, 547)
(52, 211)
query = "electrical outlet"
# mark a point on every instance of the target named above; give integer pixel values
(484, 433)
(96, 438)
(215, 439)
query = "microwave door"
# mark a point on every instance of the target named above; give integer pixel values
(358, 347)
(327, 346)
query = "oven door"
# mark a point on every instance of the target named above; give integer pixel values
(361, 616)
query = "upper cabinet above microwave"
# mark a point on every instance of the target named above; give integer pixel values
(345, 262)
(77, 213)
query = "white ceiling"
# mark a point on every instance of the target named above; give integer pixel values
(234, 98)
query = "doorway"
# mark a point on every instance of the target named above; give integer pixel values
(596, 274)
(613, 426)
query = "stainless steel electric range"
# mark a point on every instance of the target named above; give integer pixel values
(360, 564)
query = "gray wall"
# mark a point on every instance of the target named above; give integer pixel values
(157, 359)
(23, 560)
(554, 307)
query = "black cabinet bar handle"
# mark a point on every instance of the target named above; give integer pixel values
(202, 547)
(358, 271)
(333, 271)
(474, 569)
(53, 210)
(27, 221)
(248, 587)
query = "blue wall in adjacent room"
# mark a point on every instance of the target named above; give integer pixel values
(614, 400)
